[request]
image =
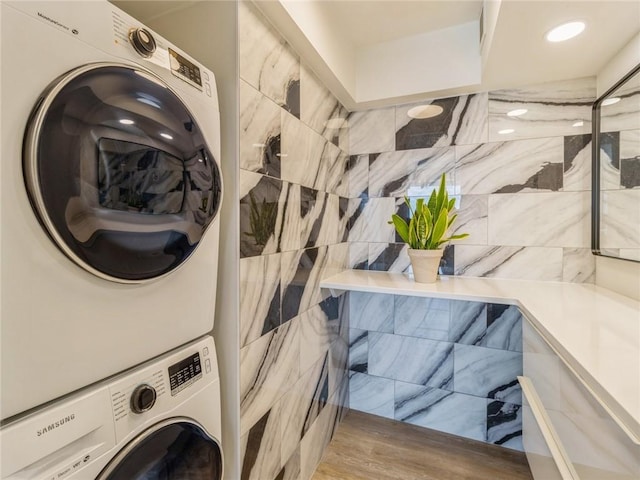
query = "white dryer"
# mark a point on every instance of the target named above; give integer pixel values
(110, 190)
(157, 422)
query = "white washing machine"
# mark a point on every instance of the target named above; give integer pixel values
(157, 422)
(110, 189)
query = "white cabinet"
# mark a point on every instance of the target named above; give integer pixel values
(582, 439)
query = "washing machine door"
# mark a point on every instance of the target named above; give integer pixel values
(175, 449)
(119, 172)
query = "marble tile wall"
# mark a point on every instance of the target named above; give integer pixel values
(294, 190)
(442, 364)
(523, 196)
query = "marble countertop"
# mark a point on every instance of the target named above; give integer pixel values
(594, 330)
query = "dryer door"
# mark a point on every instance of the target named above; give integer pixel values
(175, 449)
(119, 172)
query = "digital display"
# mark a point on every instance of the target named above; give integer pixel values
(184, 373)
(185, 68)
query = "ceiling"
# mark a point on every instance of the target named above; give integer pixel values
(514, 52)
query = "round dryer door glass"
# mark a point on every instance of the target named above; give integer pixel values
(119, 172)
(174, 451)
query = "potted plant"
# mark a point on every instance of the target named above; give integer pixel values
(426, 230)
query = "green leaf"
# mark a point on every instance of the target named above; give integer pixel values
(441, 193)
(432, 202)
(453, 237)
(401, 227)
(439, 228)
(452, 219)
(452, 204)
(412, 233)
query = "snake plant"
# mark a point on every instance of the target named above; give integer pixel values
(428, 222)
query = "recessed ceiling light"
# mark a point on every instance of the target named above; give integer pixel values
(517, 112)
(166, 135)
(578, 124)
(425, 111)
(126, 121)
(565, 31)
(610, 101)
(506, 131)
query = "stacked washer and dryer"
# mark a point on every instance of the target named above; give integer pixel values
(110, 192)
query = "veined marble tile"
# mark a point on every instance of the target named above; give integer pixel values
(577, 163)
(525, 263)
(292, 236)
(314, 225)
(318, 328)
(320, 109)
(291, 469)
(259, 296)
(370, 220)
(610, 161)
(372, 131)
(413, 173)
(343, 219)
(620, 219)
(578, 265)
(261, 448)
(301, 275)
(559, 219)
(552, 109)
(504, 328)
(267, 62)
(317, 438)
(300, 407)
(487, 372)
(358, 350)
(371, 311)
(327, 229)
(630, 159)
(261, 213)
(371, 394)
(305, 154)
(441, 410)
(268, 368)
(468, 322)
(359, 255)
(622, 115)
(504, 424)
(259, 132)
(413, 360)
(422, 317)
(463, 121)
(510, 167)
(389, 257)
(358, 176)
(337, 164)
(337, 261)
(339, 366)
(472, 218)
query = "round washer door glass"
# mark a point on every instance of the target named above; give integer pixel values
(119, 172)
(176, 451)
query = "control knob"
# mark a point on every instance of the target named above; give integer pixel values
(142, 41)
(143, 398)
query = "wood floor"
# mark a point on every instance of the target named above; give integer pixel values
(367, 447)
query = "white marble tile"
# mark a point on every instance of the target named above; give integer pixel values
(268, 368)
(261, 448)
(291, 469)
(463, 121)
(630, 159)
(620, 219)
(422, 317)
(486, 372)
(578, 265)
(358, 175)
(359, 255)
(504, 329)
(317, 331)
(468, 323)
(292, 230)
(301, 275)
(259, 296)
(428, 167)
(610, 161)
(370, 311)
(622, 115)
(372, 131)
(267, 62)
(319, 109)
(441, 410)
(389, 257)
(413, 360)
(558, 219)
(577, 163)
(472, 219)
(371, 394)
(552, 109)
(259, 132)
(509, 167)
(337, 178)
(504, 424)
(370, 221)
(358, 350)
(525, 263)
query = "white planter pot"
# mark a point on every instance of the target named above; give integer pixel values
(425, 264)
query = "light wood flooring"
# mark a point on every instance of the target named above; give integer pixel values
(367, 447)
